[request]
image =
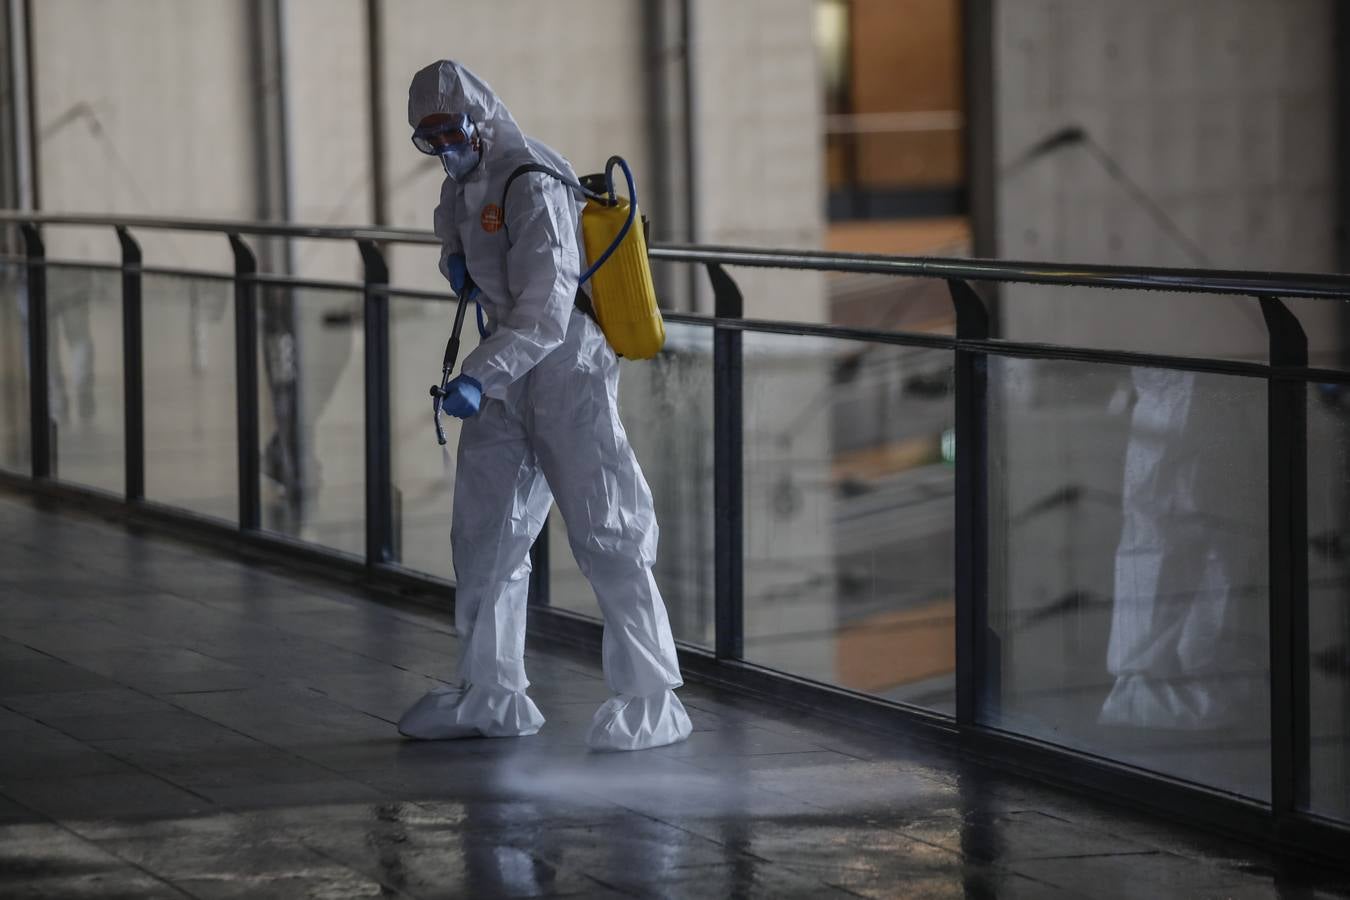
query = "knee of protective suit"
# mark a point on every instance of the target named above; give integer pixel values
(618, 563)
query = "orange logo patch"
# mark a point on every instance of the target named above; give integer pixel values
(492, 218)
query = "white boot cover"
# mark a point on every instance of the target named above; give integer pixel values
(639, 723)
(470, 710)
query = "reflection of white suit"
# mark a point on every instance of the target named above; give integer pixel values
(1187, 643)
(549, 429)
(70, 293)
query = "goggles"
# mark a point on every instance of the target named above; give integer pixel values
(451, 133)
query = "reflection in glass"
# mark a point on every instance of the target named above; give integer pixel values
(666, 406)
(1329, 612)
(84, 347)
(1188, 648)
(15, 440)
(191, 435)
(849, 555)
(313, 410)
(424, 473)
(1128, 566)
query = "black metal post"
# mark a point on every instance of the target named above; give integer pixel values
(1287, 437)
(728, 474)
(133, 366)
(379, 470)
(39, 400)
(976, 648)
(246, 382)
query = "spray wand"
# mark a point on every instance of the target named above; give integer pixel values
(451, 357)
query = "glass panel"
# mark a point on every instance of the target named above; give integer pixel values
(887, 303)
(1329, 614)
(424, 474)
(1176, 324)
(191, 435)
(15, 440)
(666, 405)
(1128, 578)
(312, 396)
(84, 346)
(849, 493)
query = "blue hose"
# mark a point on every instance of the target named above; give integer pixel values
(482, 325)
(632, 213)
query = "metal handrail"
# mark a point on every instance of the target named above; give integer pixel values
(225, 226)
(972, 348)
(1305, 285)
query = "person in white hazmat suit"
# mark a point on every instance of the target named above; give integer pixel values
(539, 399)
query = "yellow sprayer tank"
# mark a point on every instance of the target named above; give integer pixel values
(621, 290)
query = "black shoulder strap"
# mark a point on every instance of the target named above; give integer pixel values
(583, 301)
(526, 169)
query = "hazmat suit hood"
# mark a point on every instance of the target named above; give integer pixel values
(448, 87)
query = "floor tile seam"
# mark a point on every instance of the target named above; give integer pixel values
(181, 709)
(562, 866)
(1103, 855)
(606, 885)
(901, 869)
(765, 790)
(139, 769)
(78, 520)
(819, 747)
(839, 887)
(392, 723)
(916, 837)
(817, 720)
(642, 814)
(290, 683)
(266, 880)
(1112, 833)
(329, 645)
(273, 747)
(1224, 876)
(62, 824)
(158, 646)
(746, 756)
(900, 832)
(50, 656)
(326, 854)
(1005, 870)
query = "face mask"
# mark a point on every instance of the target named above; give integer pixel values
(452, 138)
(459, 161)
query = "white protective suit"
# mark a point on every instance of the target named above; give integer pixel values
(548, 429)
(1188, 635)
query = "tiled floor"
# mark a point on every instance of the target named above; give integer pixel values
(175, 723)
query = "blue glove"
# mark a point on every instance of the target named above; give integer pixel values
(463, 396)
(458, 267)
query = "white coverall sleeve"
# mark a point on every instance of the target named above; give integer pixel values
(542, 264)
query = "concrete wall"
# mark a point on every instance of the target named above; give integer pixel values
(143, 107)
(759, 165)
(1221, 111)
(328, 106)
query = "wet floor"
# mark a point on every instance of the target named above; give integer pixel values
(176, 723)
